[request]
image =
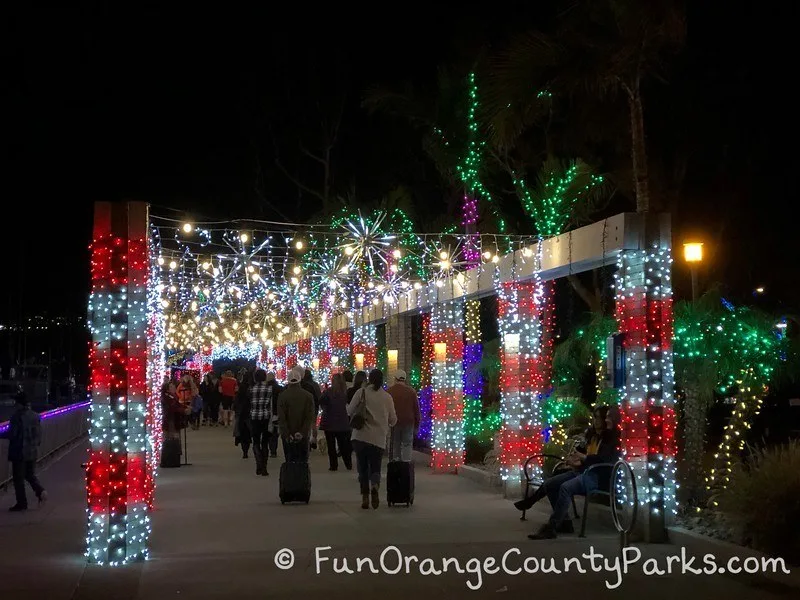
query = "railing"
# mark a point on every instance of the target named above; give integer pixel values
(60, 427)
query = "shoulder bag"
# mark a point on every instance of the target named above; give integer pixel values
(359, 417)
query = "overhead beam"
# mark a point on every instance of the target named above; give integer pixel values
(577, 251)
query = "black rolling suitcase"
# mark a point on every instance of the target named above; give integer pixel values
(171, 453)
(295, 481)
(399, 481)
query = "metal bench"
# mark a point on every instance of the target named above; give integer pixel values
(532, 480)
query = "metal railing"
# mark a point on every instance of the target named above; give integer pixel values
(60, 427)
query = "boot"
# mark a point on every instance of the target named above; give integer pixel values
(565, 527)
(527, 503)
(364, 500)
(376, 500)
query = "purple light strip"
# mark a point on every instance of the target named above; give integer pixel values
(53, 413)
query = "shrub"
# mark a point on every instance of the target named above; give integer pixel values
(476, 449)
(762, 501)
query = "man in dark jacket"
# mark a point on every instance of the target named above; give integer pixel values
(24, 436)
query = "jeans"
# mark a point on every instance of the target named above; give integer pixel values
(401, 443)
(295, 451)
(368, 459)
(561, 496)
(342, 440)
(22, 471)
(261, 438)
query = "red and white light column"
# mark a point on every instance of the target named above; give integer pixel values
(118, 484)
(525, 315)
(644, 314)
(447, 377)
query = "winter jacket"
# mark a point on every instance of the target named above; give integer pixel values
(380, 416)
(334, 412)
(295, 411)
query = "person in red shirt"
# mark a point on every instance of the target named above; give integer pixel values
(228, 386)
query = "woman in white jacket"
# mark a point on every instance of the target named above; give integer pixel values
(369, 442)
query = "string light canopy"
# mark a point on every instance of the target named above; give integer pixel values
(237, 284)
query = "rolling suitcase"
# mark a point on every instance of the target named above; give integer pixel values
(400, 483)
(295, 482)
(171, 453)
(399, 479)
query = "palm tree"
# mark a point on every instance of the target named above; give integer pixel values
(599, 49)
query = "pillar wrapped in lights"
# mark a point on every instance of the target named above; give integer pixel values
(425, 389)
(156, 368)
(341, 356)
(291, 357)
(116, 475)
(447, 409)
(525, 318)
(304, 354)
(644, 314)
(280, 363)
(473, 380)
(365, 343)
(321, 361)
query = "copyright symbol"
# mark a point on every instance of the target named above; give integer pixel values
(284, 559)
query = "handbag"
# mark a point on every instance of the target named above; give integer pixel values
(359, 417)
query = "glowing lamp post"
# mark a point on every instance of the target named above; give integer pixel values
(693, 254)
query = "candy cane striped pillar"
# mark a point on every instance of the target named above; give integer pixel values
(525, 314)
(644, 315)
(447, 414)
(116, 476)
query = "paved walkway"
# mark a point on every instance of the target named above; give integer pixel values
(218, 527)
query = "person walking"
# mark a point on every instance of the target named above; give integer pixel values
(261, 419)
(24, 435)
(273, 429)
(228, 386)
(208, 390)
(406, 406)
(335, 423)
(369, 441)
(241, 430)
(312, 387)
(295, 418)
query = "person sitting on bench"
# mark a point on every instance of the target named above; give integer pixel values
(584, 482)
(590, 445)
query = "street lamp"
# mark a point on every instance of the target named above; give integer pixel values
(693, 254)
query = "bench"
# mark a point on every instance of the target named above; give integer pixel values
(531, 479)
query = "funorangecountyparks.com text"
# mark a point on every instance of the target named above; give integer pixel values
(392, 561)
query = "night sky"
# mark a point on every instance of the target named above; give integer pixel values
(176, 108)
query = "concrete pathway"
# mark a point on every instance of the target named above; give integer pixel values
(218, 527)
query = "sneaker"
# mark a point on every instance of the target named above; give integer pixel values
(546, 532)
(376, 500)
(18, 508)
(364, 500)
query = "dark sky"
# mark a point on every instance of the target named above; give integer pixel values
(174, 106)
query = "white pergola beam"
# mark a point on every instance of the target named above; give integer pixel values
(583, 249)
